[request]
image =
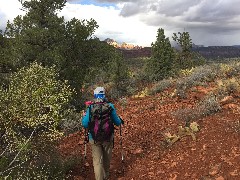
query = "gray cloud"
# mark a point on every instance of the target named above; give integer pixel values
(209, 22)
(175, 8)
(212, 11)
(131, 8)
(138, 7)
(202, 18)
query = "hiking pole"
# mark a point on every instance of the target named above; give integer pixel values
(121, 148)
(85, 151)
(85, 145)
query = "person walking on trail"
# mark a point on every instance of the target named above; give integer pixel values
(99, 120)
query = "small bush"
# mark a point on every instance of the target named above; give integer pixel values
(186, 72)
(208, 106)
(161, 86)
(228, 86)
(235, 70)
(199, 76)
(71, 123)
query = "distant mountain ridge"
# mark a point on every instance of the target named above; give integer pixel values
(210, 52)
(215, 52)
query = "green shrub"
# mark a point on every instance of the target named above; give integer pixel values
(198, 76)
(228, 86)
(31, 109)
(161, 86)
(235, 69)
(209, 105)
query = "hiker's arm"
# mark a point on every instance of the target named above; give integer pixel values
(117, 121)
(85, 119)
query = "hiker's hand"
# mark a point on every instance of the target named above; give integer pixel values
(83, 113)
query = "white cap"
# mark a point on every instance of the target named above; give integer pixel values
(99, 92)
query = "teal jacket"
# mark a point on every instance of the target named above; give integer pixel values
(116, 120)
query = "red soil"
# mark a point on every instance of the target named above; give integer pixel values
(215, 155)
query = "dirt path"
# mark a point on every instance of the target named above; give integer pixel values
(215, 155)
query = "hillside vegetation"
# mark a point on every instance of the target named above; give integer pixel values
(181, 110)
(172, 132)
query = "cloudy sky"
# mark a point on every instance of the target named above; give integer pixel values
(209, 22)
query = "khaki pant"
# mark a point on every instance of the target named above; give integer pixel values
(102, 154)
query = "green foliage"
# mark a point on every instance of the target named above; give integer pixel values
(184, 41)
(228, 86)
(161, 63)
(119, 76)
(137, 79)
(5, 66)
(198, 59)
(230, 69)
(44, 37)
(110, 70)
(209, 105)
(72, 122)
(184, 56)
(38, 35)
(80, 51)
(161, 86)
(196, 76)
(31, 109)
(33, 90)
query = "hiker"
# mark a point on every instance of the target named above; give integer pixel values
(101, 136)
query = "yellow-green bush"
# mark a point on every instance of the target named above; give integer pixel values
(31, 108)
(228, 86)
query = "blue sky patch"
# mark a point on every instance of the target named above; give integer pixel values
(96, 3)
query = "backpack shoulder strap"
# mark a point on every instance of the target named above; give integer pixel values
(90, 112)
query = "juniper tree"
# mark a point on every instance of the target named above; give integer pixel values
(43, 36)
(184, 56)
(39, 34)
(5, 66)
(161, 63)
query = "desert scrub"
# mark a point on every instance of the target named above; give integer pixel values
(161, 86)
(235, 69)
(209, 105)
(228, 86)
(186, 72)
(230, 69)
(199, 76)
(186, 115)
(71, 123)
